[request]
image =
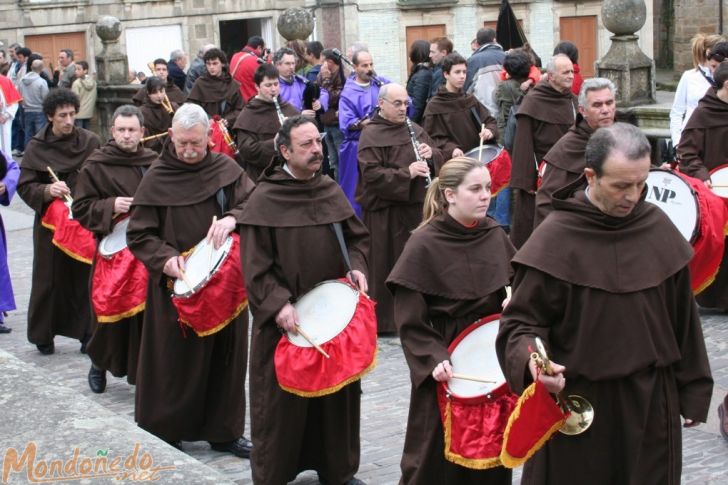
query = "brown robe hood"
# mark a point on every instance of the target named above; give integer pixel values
(475, 273)
(568, 153)
(644, 248)
(546, 104)
(62, 154)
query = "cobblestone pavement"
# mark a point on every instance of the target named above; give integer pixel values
(386, 389)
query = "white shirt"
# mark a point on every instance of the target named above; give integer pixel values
(690, 90)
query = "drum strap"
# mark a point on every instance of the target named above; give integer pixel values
(478, 121)
(342, 244)
(221, 200)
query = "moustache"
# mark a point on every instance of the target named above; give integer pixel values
(189, 154)
(315, 158)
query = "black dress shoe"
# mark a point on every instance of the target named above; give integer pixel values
(97, 379)
(240, 447)
(46, 349)
(4, 329)
(84, 342)
(175, 444)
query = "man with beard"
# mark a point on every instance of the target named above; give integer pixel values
(546, 114)
(452, 118)
(156, 114)
(357, 104)
(216, 91)
(290, 247)
(703, 147)
(293, 86)
(564, 163)
(174, 94)
(604, 283)
(259, 122)
(391, 189)
(104, 193)
(191, 387)
(59, 299)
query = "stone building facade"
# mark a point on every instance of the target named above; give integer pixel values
(690, 17)
(153, 28)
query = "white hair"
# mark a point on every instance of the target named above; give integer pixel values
(189, 115)
(595, 84)
(551, 65)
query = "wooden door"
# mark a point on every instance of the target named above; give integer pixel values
(422, 32)
(582, 31)
(48, 45)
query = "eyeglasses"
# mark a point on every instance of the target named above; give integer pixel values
(398, 104)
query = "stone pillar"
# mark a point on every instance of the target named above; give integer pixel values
(112, 67)
(625, 64)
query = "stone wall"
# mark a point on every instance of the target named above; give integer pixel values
(691, 17)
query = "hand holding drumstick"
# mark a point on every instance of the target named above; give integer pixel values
(220, 229)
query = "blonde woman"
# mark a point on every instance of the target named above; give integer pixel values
(451, 273)
(693, 83)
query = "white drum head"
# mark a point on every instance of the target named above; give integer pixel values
(487, 155)
(475, 356)
(200, 265)
(676, 198)
(324, 312)
(116, 241)
(719, 178)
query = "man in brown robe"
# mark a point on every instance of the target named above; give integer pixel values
(189, 387)
(157, 114)
(290, 247)
(59, 300)
(453, 119)
(216, 91)
(260, 120)
(391, 189)
(564, 163)
(614, 308)
(174, 94)
(704, 147)
(545, 115)
(104, 192)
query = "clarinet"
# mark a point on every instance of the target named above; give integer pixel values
(416, 147)
(281, 116)
(375, 79)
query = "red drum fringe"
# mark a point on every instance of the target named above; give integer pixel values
(118, 287)
(68, 235)
(305, 372)
(218, 302)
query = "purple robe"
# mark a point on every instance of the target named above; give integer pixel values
(7, 300)
(355, 103)
(292, 91)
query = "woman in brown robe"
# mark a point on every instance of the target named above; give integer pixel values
(111, 172)
(453, 118)
(157, 116)
(453, 271)
(59, 301)
(190, 388)
(216, 91)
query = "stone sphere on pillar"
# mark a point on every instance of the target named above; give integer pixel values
(108, 28)
(624, 17)
(295, 23)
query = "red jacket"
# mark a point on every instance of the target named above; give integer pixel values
(242, 67)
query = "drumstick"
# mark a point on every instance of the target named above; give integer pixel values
(56, 179)
(713, 186)
(509, 292)
(209, 263)
(466, 377)
(480, 148)
(183, 276)
(310, 340)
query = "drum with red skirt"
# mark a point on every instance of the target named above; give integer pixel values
(476, 403)
(499, 164)
(341, 321)
(700, 216)
(68, 235)
(119, 282)
(212, 292)
(220, 140)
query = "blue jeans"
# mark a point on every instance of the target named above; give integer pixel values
(34, 122)
(500, 208)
